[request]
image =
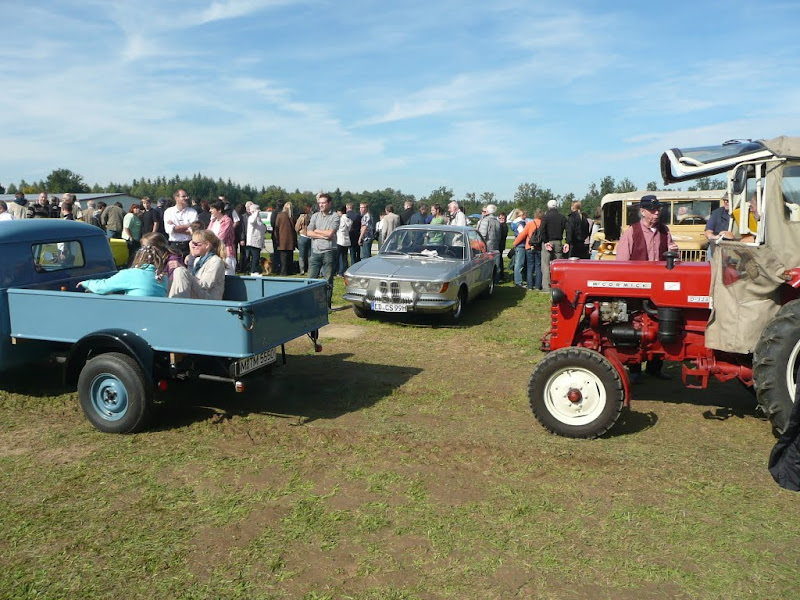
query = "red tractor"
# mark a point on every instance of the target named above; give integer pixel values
(737, 316)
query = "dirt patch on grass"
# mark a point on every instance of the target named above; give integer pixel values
(341, 331)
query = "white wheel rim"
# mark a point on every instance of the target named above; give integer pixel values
(582, 412)
(791, 365)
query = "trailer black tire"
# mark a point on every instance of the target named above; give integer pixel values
(115, 394)
(576, 393)
(775, 362)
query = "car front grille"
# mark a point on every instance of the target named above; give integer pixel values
(389, 291)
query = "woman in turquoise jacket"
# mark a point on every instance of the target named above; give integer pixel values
(145, 277)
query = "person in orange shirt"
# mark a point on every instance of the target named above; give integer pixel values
(533, 254)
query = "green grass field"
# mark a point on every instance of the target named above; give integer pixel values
(400, 463)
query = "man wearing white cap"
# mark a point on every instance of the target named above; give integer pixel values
(489, 228)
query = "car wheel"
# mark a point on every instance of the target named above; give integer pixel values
(114, 393)
(361, 313)
(576, 392)
(455, 314)
(490, 289)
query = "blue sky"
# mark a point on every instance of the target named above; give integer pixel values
(413, 95)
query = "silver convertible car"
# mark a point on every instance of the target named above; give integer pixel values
(423, 269)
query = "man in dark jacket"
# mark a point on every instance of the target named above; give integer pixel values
(111, 219)
(407, 212)
(577, 232)
(554, 225)
(355, 232)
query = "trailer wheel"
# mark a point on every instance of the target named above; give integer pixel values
(577, 393)
(775, 362)
(114, 393)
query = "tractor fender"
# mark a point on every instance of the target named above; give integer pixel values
(615, 361)
(108, 340)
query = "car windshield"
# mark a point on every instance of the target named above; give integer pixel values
(430, 243)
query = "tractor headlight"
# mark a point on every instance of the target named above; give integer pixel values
(557, 295)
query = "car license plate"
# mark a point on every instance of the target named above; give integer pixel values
(251, 363)
(389, 307)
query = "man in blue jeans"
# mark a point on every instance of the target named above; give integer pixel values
(322, 230)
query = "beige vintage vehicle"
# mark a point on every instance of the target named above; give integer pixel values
(686, 214)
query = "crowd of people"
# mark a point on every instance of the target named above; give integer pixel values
(547, 236)
(328, 240)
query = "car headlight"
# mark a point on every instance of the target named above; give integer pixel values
(358, 282)
(429, 287)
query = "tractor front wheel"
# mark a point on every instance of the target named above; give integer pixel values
(776, 359)
(577, 393)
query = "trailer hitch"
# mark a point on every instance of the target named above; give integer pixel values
(246, 316)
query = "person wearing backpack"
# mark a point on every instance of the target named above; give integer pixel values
(532, 235)
(578, 227)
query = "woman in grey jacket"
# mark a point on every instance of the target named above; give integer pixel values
(206, 280)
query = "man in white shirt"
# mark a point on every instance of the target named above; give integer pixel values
(4, 214)
(177, 222)
(457, 216)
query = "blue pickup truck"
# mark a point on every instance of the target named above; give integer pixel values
(122, 350)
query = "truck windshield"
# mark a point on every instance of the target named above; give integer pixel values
(709, 154)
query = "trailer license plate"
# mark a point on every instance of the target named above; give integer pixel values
(388, 307)
(251, 363)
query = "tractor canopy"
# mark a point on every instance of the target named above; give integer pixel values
(764, 189)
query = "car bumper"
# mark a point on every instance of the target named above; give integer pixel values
(423, 304)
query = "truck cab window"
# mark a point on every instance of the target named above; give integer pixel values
(57, 256)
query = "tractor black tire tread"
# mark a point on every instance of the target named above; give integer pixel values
(770, 359)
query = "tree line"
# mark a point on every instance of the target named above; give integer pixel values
(528, 196)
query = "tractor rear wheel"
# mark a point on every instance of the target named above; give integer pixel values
(576, 392)
(775, 362)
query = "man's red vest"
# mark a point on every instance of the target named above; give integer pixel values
(639, 250)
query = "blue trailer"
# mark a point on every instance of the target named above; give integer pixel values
(121, 350)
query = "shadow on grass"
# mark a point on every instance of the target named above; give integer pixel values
(727, 399)
(38, 381)
(631, 421)
(480, 310)
(306, 389)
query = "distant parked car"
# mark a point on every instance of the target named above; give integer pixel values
(423, 269)
(266, 218)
